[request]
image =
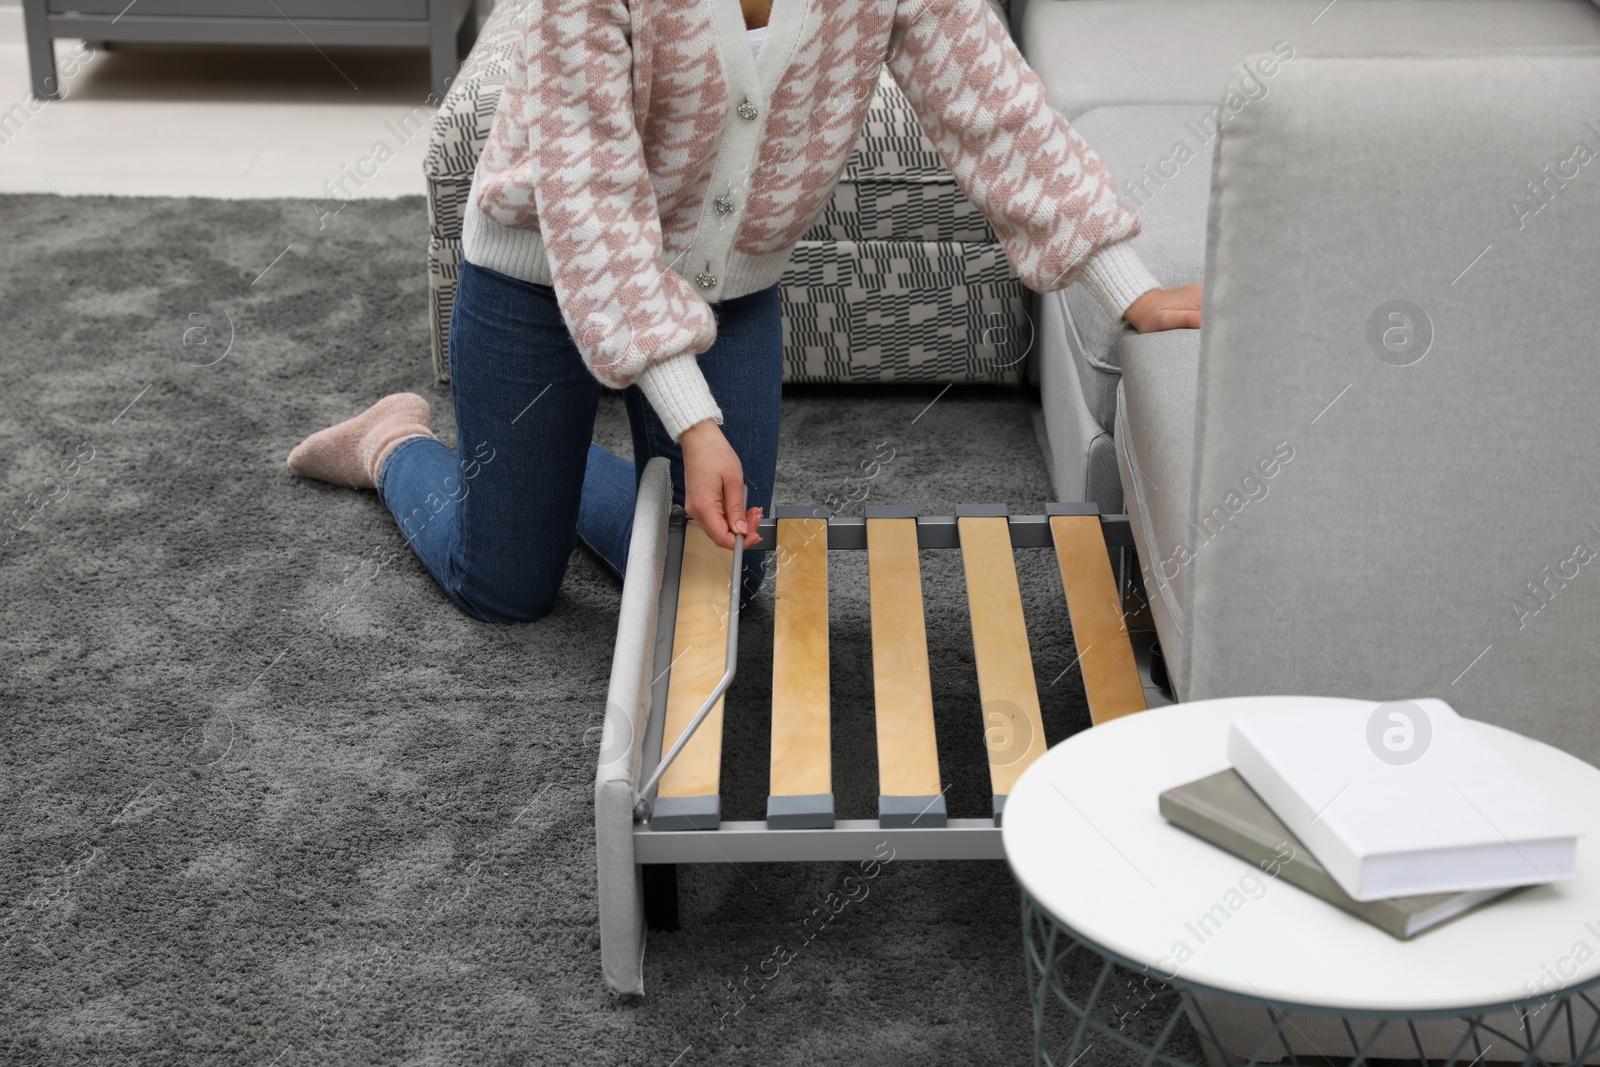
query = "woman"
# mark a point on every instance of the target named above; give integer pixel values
(650, 168)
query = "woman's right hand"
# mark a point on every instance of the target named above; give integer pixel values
(713, 490)
(1166, 309)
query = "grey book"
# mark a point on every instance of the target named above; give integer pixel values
(1222, 809)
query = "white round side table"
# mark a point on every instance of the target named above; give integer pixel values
(1159, 925)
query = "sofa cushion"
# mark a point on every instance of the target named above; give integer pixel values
(1093, 53)
(1155, 453)
(1160, 158)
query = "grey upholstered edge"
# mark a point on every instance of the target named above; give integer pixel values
(1155, 434)
(1164, 606)
(627, 707)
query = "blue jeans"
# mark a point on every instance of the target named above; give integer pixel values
(495, 520)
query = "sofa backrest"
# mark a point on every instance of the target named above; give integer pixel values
(1403, 294)
(1096, 53)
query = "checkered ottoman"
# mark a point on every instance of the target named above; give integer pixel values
(900, 280)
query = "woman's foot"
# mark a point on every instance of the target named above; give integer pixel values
(352, 452)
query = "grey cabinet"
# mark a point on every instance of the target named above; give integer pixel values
(440, 26)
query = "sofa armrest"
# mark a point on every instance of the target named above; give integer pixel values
(1391, 303)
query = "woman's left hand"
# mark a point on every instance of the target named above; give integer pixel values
(1166, 309)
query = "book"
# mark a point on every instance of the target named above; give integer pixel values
(1403, 798)
(1223, 810)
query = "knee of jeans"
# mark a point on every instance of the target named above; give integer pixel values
(525, 602)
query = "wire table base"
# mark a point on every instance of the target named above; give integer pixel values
(1092, 1008)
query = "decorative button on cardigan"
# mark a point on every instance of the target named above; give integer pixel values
(639, 144)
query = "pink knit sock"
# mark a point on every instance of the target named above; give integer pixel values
(351, 452)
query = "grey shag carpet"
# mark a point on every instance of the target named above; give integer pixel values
(268, 798)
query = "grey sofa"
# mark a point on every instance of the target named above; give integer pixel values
(1375, 461)
(901, 280)
(1372, 472)
(1148, 82)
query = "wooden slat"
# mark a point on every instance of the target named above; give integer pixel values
(1012, 728)
(1110, 675)
(699, 652)
(908, 756)
(801, 756)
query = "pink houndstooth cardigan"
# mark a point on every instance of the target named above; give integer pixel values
(644, 163)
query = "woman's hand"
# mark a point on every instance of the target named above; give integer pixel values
(713, 491)
(1166, 309)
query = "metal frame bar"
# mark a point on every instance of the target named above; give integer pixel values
(730, 664)
(642, 799)
(939, 531)
(754, 841)
(666, 622)
(849, 839)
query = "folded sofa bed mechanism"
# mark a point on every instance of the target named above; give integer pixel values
(657, 796)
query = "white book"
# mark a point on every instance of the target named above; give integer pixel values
(1403, 798)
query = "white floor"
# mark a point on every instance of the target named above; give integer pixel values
(147, 121)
